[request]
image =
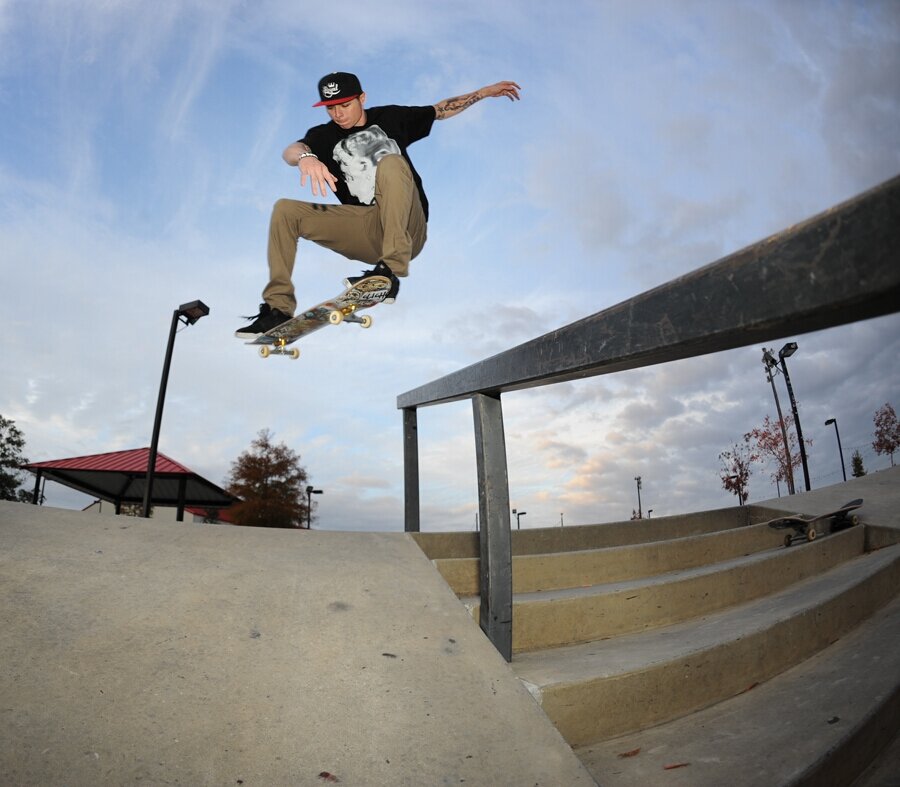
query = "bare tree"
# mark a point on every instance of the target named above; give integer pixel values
(736, 468)
(767, 443)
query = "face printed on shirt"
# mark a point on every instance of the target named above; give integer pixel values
(358, 156)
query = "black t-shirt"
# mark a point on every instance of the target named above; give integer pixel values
(352, 155)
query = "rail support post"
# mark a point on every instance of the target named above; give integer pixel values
(411, 470)
(495, 537)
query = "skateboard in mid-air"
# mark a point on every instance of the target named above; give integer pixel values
(364, 294)
(804, 526)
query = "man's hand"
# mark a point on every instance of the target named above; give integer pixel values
(318, 174)
(453, 106)
(310, 167)
(508, 89)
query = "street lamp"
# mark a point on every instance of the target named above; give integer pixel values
(786, 352)
(840, 450)
(518, 515)
(771, 364)
(740, 487)
(309, 493)
(189, 313)
(638, 479)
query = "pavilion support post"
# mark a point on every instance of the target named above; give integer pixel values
(36, 497)
(495, 538)
(182, 487)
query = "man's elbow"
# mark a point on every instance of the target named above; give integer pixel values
(290, 154)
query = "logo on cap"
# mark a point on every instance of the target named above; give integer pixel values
(330, 90)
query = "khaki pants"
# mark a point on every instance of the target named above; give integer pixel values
(392, 230)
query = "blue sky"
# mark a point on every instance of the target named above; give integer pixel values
(140, 158)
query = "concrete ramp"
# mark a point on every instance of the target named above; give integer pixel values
(141, 651)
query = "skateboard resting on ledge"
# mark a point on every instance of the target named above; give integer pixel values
(804, 526)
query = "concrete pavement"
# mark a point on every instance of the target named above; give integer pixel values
(134, 650)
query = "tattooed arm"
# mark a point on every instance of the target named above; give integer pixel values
(453, 106)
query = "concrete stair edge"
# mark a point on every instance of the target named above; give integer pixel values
(587, 705)
(439, 545)
(552, 620)
(786, 731)
(559, 570)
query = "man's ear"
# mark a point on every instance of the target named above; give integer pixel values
(362, 99)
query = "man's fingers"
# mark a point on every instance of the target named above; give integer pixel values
(319, 178)
(511, 90)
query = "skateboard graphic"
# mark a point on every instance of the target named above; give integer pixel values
(342, 308)
(804, 526)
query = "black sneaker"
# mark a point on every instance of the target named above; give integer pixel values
(379, 270)
(267, 319)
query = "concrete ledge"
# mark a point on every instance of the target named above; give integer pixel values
(539, 541)
(558, 570)
(135, 650)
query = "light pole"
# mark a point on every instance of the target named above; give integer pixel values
(518, 515)
(740, 488)
(189, 313)
(840, 450)
(309, 493)
(638, 479)
(786, 352)
(770, 363)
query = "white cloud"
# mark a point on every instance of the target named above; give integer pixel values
(141, 155)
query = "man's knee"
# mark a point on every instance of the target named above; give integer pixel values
(283, 207)
(392, 165)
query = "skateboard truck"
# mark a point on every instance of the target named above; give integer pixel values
(279, 348)
(347, 314)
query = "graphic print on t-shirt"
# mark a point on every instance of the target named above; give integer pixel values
(358, 156)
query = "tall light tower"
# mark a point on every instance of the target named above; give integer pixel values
(188, 313)
(771, 366)
(786, 352)
(840, 450)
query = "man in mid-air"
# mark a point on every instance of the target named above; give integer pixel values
(360, 155)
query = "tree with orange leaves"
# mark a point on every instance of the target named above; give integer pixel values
(270, 483)
(887, 432)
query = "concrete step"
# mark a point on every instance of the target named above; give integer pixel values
(565, 617)
(601, 689)
(541, 541)
(554, 571)
(819, 723)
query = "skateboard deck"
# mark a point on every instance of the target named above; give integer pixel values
(341, 308)
(804, 526)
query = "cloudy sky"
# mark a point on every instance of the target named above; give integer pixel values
(140, 156)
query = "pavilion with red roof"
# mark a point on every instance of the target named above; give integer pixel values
(121, 476)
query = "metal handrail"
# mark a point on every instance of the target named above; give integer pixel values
(838, 267)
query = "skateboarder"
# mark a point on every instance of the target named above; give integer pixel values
(360, 156)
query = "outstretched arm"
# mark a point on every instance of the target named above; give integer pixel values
(453, 106)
